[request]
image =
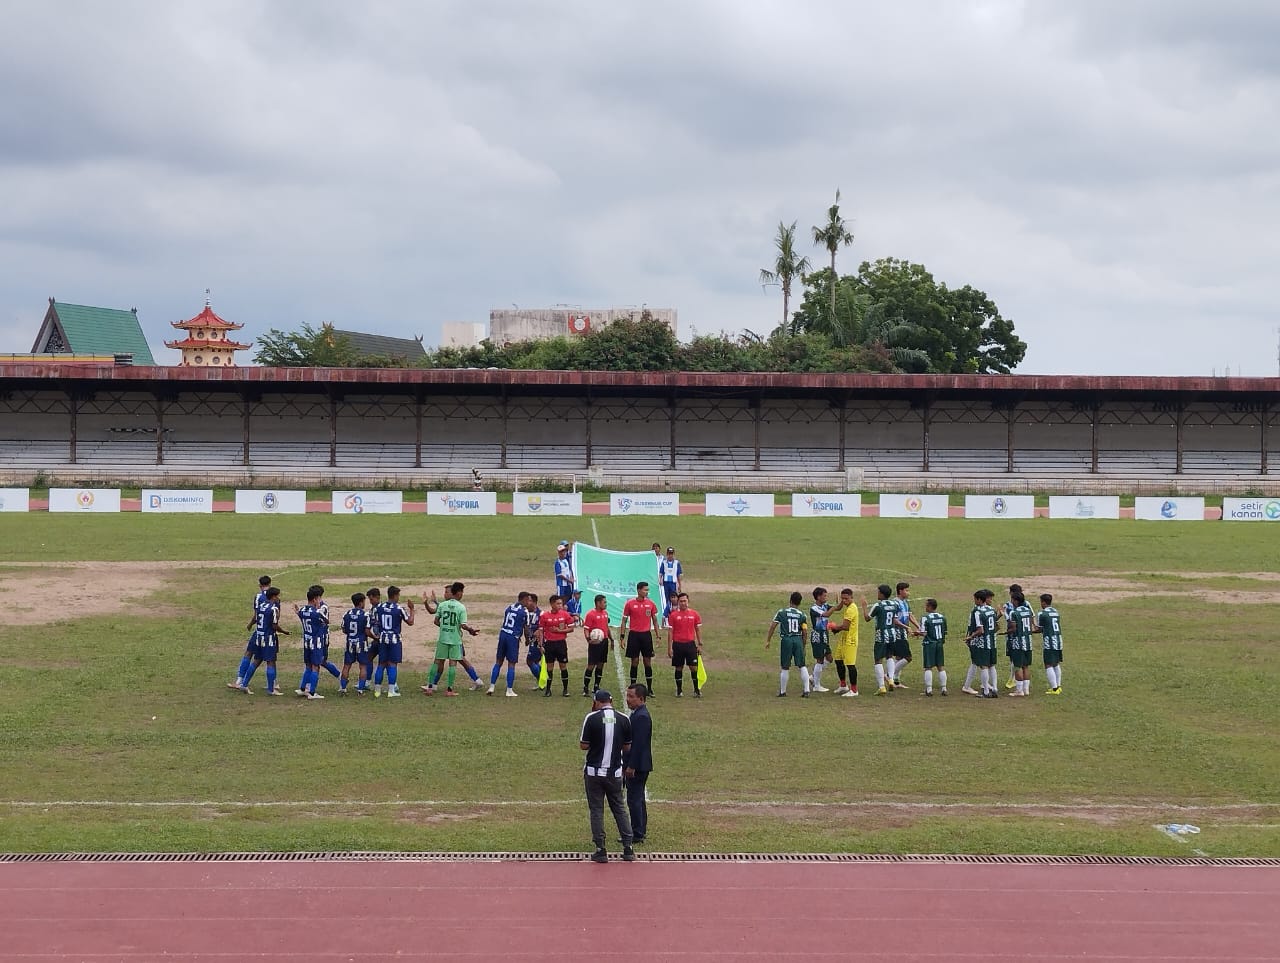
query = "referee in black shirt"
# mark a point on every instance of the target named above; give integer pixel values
(606, 734)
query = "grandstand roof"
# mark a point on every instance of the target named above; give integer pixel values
(417, 381)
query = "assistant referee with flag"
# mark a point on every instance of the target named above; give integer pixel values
(606, 735)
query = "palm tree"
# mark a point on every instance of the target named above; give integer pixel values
(833, 235)
(787, 267)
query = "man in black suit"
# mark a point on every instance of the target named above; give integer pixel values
(638, 760)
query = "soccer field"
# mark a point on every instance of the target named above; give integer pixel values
(120, 735)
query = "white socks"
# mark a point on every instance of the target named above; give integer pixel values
(928, 680)
(804, 677)
(969, 676)
(942, 679)
(879, 676)
(817, 674)
(782, 680)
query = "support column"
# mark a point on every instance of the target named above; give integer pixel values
(924, 436)
(1264, 430)
(1010, 417)
(502, 451)
(756, 407)
(1093, 427)
(589, 412)
(248, 409)
(417, 433)
(1181, 418)
(74, 410)
(159, 430)
(333, 432)
(842, 428)
(671, 446)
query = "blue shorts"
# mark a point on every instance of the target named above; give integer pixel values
(533, 656)
(508, 650)
(390, 650)
(267, 651)
(351, 658)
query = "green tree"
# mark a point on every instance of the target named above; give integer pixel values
(833, 235)
(788, 266)
(918, 322)
(305, 348)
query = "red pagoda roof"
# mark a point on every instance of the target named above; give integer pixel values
(200, 343)
(207, 319)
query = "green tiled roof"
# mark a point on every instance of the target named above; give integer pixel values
(378, 345)
(103, 331)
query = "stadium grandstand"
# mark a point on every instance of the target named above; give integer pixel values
(641, 430)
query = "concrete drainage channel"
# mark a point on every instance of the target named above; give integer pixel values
(411, 857)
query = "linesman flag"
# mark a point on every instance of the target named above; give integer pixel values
(702, 673)
(543, 680)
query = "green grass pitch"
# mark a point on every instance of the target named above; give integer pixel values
(117, 732)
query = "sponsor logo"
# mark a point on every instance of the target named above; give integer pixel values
(739, 505)
(155, 501)
(270, 502)
(624, 504)
(535, 503)
(999, 507)
(84, 499)
(913, 505)
(1169, 509)
(353, 503)
(1084, 509)
(1272, 511)
(819, 507)
(453, 504)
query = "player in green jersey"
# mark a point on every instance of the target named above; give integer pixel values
(819, 640)
(451, 616)
(933, 629)
(1018, 629)
(791, 625)
(1050, 629)
(885, 615)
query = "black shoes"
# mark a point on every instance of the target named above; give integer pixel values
(600, 856)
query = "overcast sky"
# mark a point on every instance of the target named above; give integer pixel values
(1108, 172)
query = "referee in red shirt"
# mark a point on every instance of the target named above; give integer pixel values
(638, 617)
(684, 643)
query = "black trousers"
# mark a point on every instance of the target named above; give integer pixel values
(599, 789)
(636, 805)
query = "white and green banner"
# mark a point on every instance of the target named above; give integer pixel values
(602, 571)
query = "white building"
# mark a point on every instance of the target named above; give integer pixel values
(508, 325)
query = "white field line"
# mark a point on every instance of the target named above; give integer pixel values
(901, 805)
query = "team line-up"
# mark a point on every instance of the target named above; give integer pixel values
(373, 640)
(372, 632)
(832, 632)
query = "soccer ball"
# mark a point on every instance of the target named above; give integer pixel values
(596, 635)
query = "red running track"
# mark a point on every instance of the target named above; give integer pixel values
(645, 911)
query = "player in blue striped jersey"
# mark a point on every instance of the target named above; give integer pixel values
(266, 641)
(374, 598)
(246, 661)
(533, 658)
(356, 635)
(905, 624)
(314, 617)
(515, 617)
(392, 616)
